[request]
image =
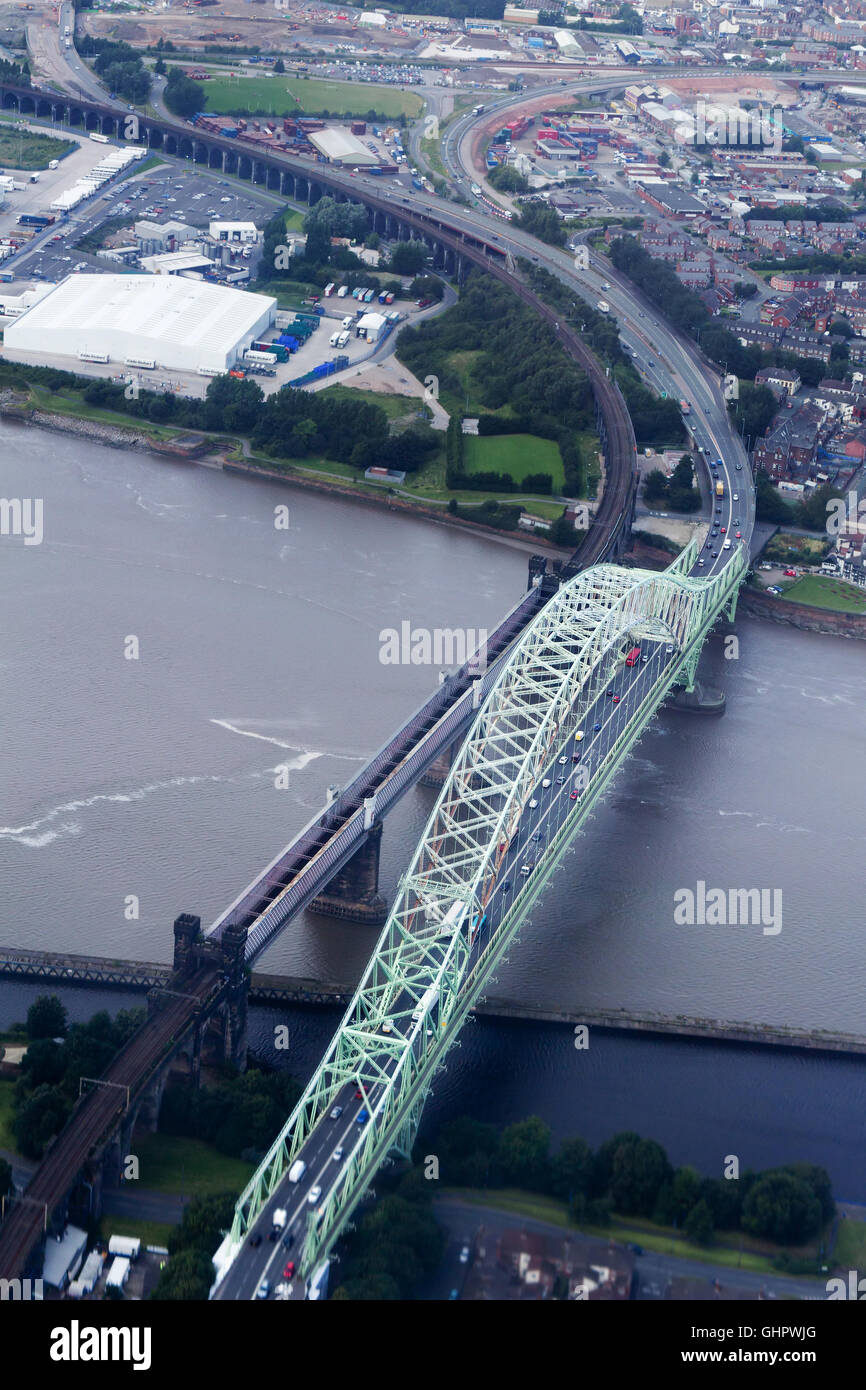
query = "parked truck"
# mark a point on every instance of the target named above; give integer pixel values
(35, 219)
(261, 359)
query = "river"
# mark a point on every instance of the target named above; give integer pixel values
(258, 648)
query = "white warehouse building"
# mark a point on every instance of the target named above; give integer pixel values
(176, 323)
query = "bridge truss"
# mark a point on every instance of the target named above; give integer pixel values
(392, 1038)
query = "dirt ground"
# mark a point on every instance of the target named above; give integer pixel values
(391, 378)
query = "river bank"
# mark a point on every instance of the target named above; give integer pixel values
(199, 449)
(804, 616)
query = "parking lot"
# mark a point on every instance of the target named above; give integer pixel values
(170, 191)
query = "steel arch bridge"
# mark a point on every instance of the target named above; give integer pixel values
(429, 967)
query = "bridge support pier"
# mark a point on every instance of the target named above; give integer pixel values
(700, 699)
(353, 893)
(437, 773)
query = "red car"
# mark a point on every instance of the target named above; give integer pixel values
(359, 1094)
(723, 529)
(790, 574)
(574, 796)
(739, 535)
(616, 699)
(289, 1271)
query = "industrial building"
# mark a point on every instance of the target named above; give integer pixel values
(234, 231)
(173, 322)
(340, 147)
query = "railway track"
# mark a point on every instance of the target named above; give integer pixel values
(93, 1118)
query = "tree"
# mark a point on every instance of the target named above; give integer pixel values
(781, 1207)
(39, 1118)
(699, 1225)
(43, 1063)
(571, 1173)
(159, 66)
(187, 1276)
(183, 96)
(279, 65)
(203, 1223)
(523, 1154)
(639, 1172)
(408, 257)
(46, 1017)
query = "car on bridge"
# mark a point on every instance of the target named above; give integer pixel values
(336, 1112)
(289, 1271)
(263, 1290)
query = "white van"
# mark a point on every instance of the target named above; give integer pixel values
(334, 340)
(348, 321)
(546, 782)
(297, 1170)
(727, 545)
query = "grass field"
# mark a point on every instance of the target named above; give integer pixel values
(22, 149)
(280, 96)
(7, 1138)
(172, 1163)
(148, 1232)
(825, 592)
(850, 1249)
(728, 1250)
(515, 454)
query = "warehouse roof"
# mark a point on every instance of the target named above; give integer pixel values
(342, 147)
(160, 308)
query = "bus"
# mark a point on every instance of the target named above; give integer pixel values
(452, 919)
(633, 657)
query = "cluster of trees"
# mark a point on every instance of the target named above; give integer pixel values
(395, 1244)
(17, 73)
(239, 1115)
(654, 420)
(542, 221)
(119, 66)
(183, 96)
(290, 424)
(814, 261)
(634, 1177)
(825, 211)
(627, 21)
(520, 364)
(507, 179)
(660, 284)
(677, 492)
(189, 1271)
(57, 1056)
(755, 409)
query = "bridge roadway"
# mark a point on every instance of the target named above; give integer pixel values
(577, 730)
(95, 1116)
(601, 723)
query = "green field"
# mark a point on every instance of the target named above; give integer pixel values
(283, 95)
(515, 454)
(7, 1135)
(850, 1249)
(22, 149)
(825, 592)
(171, 1163)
